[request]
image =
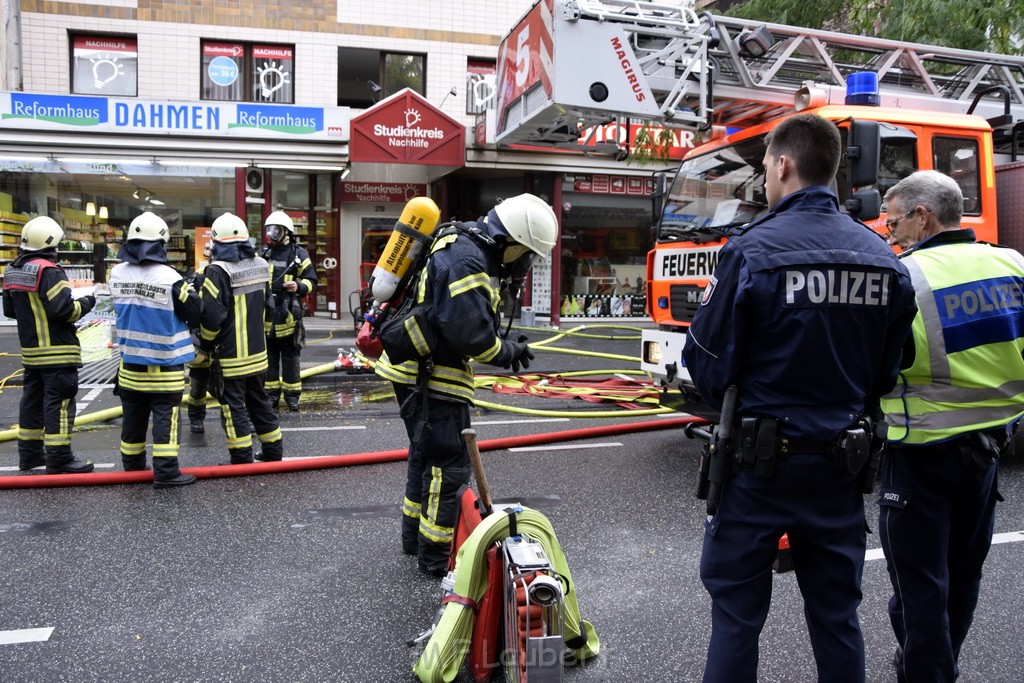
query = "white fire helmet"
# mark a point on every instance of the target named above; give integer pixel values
(530, 222)
(277, 225)
(148, 227)
(229, 228)
(42, 232)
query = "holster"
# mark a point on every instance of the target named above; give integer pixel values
(760, 444)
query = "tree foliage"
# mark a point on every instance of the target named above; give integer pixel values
(986, 25)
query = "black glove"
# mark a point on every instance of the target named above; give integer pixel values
(87, 303)
(515, 354)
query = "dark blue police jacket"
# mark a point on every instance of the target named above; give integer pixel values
(806, 313)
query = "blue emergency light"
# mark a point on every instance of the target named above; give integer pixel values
(862, 88)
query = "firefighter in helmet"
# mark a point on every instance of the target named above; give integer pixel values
(232, 332)
(37, 293)
(462, 280)
(154, 306)
(199, 368)
(292, 277)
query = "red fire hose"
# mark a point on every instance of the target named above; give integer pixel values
(23, 481)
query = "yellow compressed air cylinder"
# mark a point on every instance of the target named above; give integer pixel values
(411, 235)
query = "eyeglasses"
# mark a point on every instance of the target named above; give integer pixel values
(892, 224)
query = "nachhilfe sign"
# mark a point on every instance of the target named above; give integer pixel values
(406, 129)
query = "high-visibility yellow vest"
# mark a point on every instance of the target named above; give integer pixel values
(968, 372)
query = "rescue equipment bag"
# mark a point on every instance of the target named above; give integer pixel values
(409, 333)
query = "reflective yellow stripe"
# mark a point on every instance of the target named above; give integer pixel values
(410, 509)
(165, 450)
(57, 440)
(434, 492)
(207, 335)
(133, 448)
(490, 353)
(52, 293)
(416, 337)
(289, 386)
(270, 437)
(211, 288)
(469, 282)
(30, 434)
(183, 293)
(39, 318)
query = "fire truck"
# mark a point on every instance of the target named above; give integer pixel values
(572, 65)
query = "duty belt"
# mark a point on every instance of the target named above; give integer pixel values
(761, 446)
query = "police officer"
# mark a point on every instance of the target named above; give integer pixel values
(805, 315)
(154, 307)
(292, 277)
(951, 415)
(232, 331)
(199, 367)
(461, 281)
(37, 293)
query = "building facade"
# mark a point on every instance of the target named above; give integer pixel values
(330, 112)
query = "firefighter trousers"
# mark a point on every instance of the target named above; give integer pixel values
(283, 375)
(245, 410)
(198, 386)
(138, 406)
(438, 466)
(47, 415)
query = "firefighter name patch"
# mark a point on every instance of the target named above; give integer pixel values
(708, 291)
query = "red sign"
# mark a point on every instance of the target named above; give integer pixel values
(381, 193)
(406, 129)
(525, 57)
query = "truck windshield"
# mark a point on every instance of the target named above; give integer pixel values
(714, 192)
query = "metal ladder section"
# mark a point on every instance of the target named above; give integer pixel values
(743, 90)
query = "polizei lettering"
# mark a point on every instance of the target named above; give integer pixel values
(834, 286)
(627, 69)
(688, 263)
(983, 298)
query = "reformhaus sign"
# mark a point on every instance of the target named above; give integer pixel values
(406, 129)
(159, 117)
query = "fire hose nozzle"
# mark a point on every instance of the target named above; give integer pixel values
(545, 591)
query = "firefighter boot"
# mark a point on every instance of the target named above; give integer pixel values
(293, 403)
(434, 557)
(133, 463)
(410, 535)
(66, 463)
(272, 452)
(241, 456)
(196, 415)
(167, 474)
(30, 458)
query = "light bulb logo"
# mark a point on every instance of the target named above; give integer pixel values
(272, 78)
(412, 117)
(105, 68)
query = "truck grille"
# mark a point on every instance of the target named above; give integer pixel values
(683, 301)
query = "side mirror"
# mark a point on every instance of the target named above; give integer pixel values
(658, 196)
(863, 150)
(865, 204)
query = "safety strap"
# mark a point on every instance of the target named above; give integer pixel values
(426, 366)
(460, 600)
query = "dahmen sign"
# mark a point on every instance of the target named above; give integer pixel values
(406, 129)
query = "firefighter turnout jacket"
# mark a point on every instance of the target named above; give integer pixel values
(37, 293)
(967, 372)
(233, 323)
(461, 282)
(288, 263)
(154, 306)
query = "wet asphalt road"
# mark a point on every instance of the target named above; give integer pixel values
(299, 577)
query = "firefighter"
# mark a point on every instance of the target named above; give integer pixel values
(37, 293)
(292, 277)
(805, 315)
(950, 417)
(233, 333)
(154, 307)
(461, 281)
(198, 368)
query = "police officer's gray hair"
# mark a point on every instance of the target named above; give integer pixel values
(935, 191)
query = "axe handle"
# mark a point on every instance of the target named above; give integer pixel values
(478, 469)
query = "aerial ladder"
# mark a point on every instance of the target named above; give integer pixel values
(571, 66)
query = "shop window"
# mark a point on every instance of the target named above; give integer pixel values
(958, 158)
(480, 85)
(248, 72)
(367, 76)
(105, 65)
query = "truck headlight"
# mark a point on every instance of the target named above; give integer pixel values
(653, 353)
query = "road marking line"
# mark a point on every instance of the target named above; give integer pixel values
(320, 429)
(14, 468)
(1006, 537)
(519, 422)
(25, 635)
(566, 447)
